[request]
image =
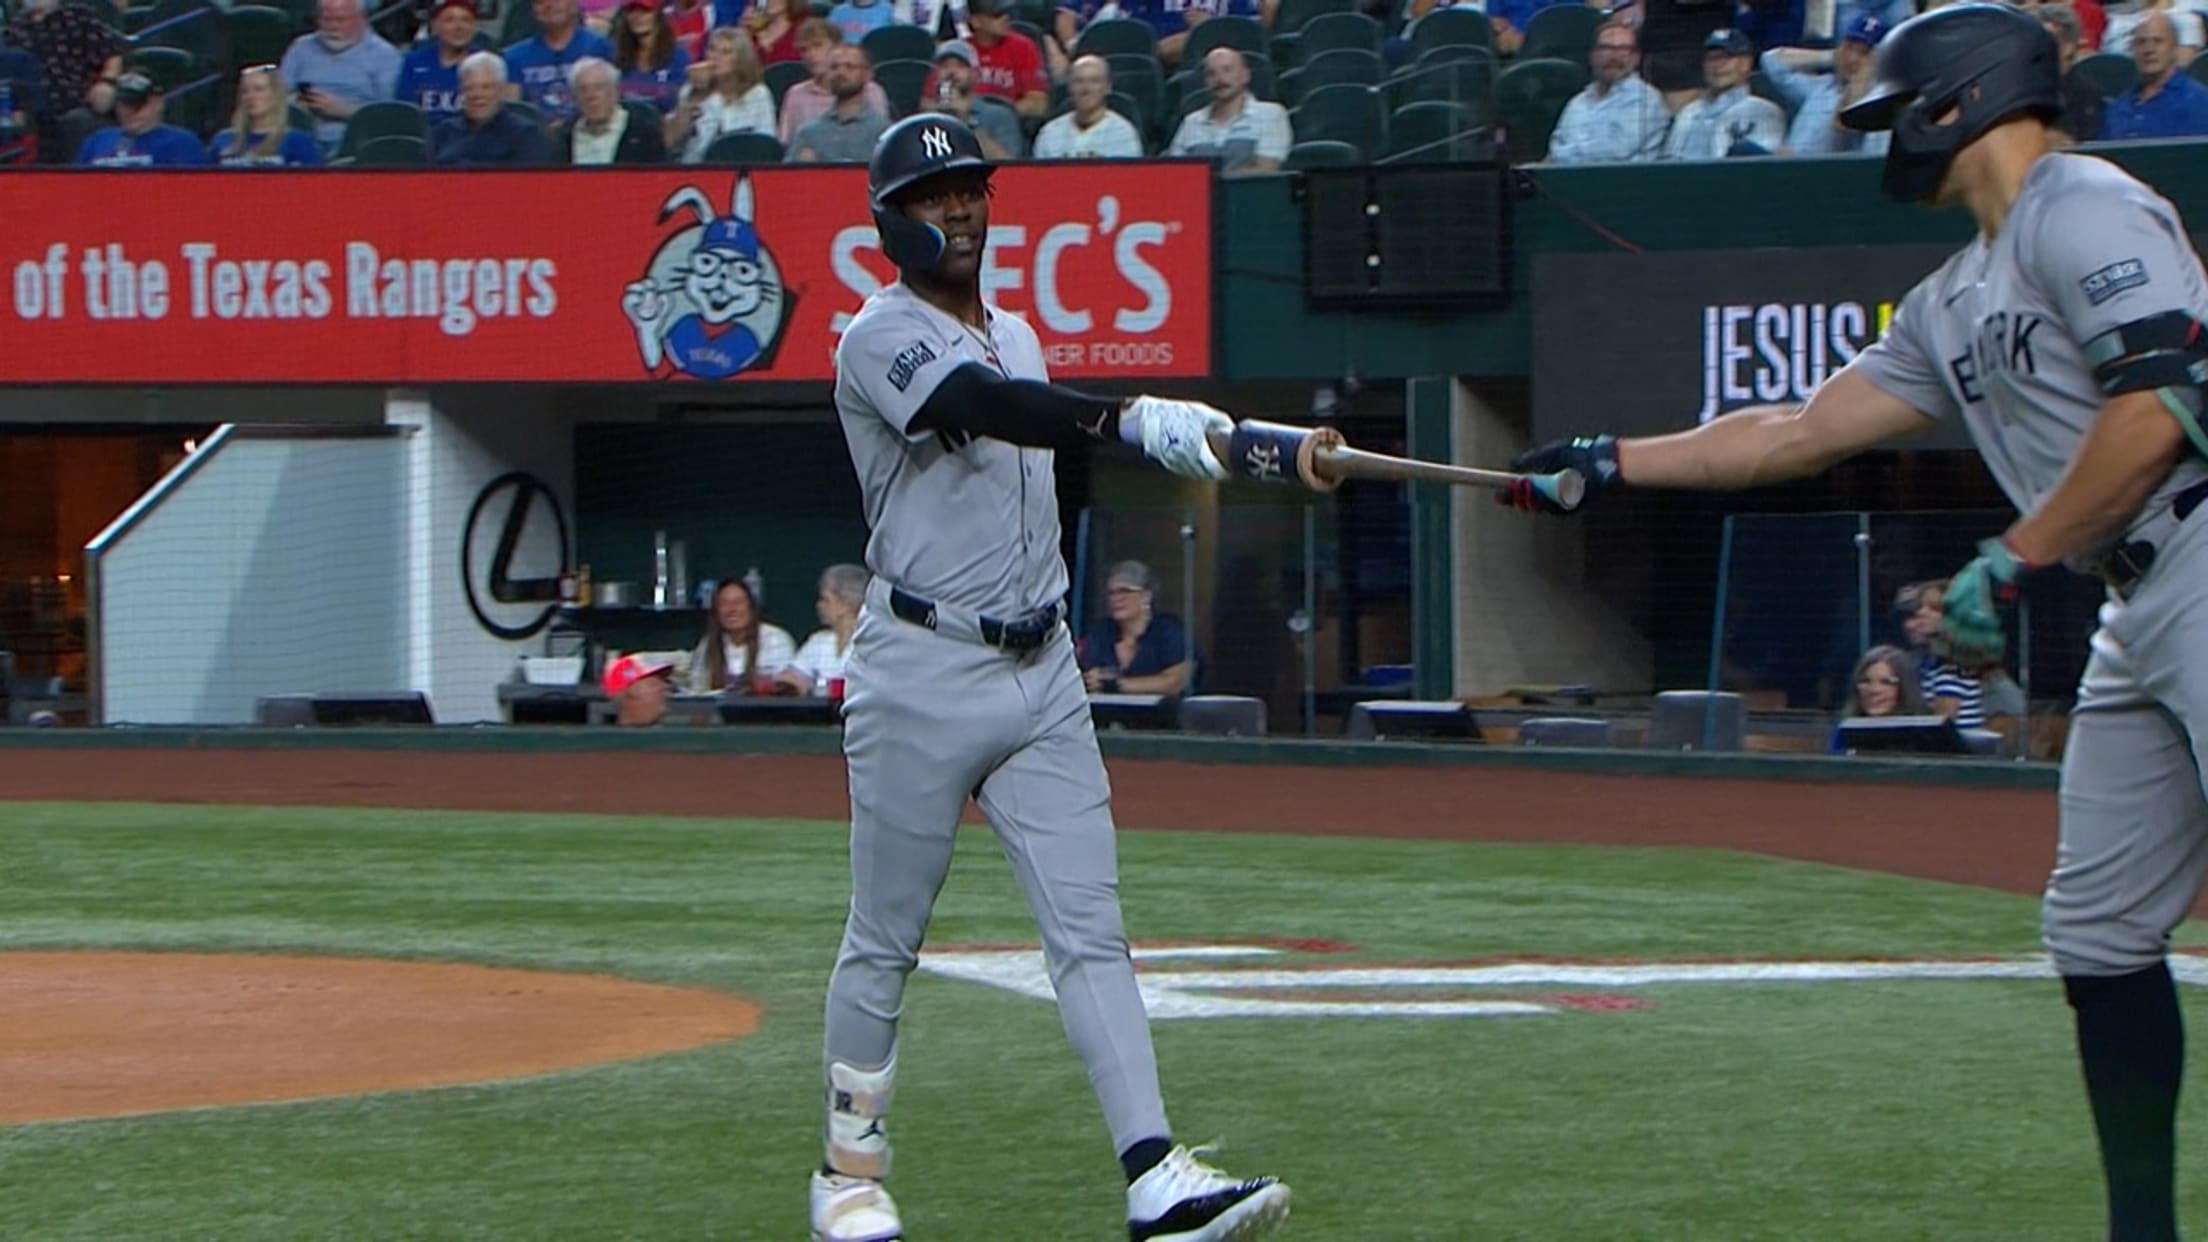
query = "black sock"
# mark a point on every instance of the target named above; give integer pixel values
(2131, 1045)
(1143, 1157)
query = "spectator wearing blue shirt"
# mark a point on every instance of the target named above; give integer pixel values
(487, 134)
(2164, 103)
(339, 67)
(1618, 117)
(429, 76)
(1818, 98)
(1133, 649)
(139, 138)
(649, 55)
(856, 18)
(260, 132)
(538, 65)
(27, 109)
(1509, 19)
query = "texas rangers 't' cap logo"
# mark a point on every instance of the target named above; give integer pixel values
(711, 303)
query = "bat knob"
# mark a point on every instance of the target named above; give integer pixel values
(1566, 487)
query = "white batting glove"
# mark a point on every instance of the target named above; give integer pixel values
(1172, 434)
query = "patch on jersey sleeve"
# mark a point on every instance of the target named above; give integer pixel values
(907, 364)
(2106, 283)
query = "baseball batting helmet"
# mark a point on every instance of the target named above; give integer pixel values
(1990, 62)
(911, 151)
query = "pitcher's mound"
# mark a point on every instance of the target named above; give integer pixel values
(105, 1034)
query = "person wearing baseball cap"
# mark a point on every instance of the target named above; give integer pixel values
(429, 76)
(1726, 119)
(1819, 82)
(637, 686)
(139, 137)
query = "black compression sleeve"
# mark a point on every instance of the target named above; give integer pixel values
(975, 400)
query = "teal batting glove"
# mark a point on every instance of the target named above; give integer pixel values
(1979, 598)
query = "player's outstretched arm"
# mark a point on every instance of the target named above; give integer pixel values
(2127, 452)
(976, 400)
(1747, 448)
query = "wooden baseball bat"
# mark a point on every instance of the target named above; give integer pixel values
(1319, 458)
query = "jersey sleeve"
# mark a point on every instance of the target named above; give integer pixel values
(2109, 260)
(889, 363)
(1902, 363)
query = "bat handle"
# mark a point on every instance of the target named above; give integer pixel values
(1566, 488)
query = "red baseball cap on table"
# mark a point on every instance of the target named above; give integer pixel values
(629, 670)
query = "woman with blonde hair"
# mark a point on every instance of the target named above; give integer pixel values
(727, 94)
(260, 132)
(742, 652)
(645, 50)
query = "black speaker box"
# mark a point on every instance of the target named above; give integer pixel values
(1415, 236)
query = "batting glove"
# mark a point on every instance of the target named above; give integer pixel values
(1972, 632)
(1173, 434)
(1595, 457)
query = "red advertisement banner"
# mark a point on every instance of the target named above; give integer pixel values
(693, 274)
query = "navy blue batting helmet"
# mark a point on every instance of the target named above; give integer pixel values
(911, 151)
(1989, 62)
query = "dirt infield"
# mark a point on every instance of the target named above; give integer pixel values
(110, 1034)
(1998, 838)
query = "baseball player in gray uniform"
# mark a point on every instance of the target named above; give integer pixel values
(961, 682)
(2068, 338)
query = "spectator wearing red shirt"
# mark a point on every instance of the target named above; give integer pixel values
(1007, 64)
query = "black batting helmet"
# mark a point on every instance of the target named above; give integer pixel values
(911, 151)
(1990, 62)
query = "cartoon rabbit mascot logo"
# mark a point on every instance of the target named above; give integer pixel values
(711, 303)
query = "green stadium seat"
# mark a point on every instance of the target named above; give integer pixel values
(1342, 112)
(901, 81)
(1241, 33)
(1322, 153)
(195, 109)
(1456, 74)
(380, 119)
(2107, 73)
(1336, 31)
(2199, 70)
(1450, 27)
(1294, 14)
(744, 148)
(259, 35)
(391, 151)
(889, 43)
(1142, 81)
(520, 23)
(170, 66)
(193, 25)
(1561, 32)
(1117, 35)
(1431, 132)
(1529, 97)
(525, 110)
(784, 74)
(1342, 65)
(297, 117)
(135, 18)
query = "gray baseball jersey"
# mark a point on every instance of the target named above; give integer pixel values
(931, 719)
(1999, 335)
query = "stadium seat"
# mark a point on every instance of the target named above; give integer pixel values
(2107, 73)
(1117, 35)
(196, 26)
(1529, 97)
(525, 110)
(2199, 69)
(297, 117)
(1223, 715)
(135, 18)
(745, 148)
(1334, 31)
(1561, 32)
(784, 74)
(1141, 80)
(901, 81)
(303, 13)
(391, 151)
(1342, 112)
(379, 119)
(1323, 153)
(520, 23)
(1465, 76)
(259, 35)
(887, 43)
(1432, 131)
(1294, 14)
(193, 109)
(1241, 33)
(1698, 720)
(170, 66)
(1451, 27)
(1335, 68)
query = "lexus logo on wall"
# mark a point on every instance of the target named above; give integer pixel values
(512, 555)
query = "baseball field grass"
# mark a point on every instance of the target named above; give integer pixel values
(1883, 1109)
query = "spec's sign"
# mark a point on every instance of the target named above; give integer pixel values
(1650, 343)
(566, 275)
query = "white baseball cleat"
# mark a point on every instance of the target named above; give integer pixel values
(1185, 1200)
(853, 1209)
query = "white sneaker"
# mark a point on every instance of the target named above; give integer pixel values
(853, 1209)
(1185, 1200)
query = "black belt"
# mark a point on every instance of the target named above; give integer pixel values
(2122, 566)
(1025, 634)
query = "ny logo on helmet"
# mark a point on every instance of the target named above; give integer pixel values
(935, 144)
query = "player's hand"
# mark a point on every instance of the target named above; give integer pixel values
(1173, 434)
(644, 303)
(1971, 633)
(1595, 457)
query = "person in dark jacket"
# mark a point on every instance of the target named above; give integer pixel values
(602, 131)
(485, 134)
